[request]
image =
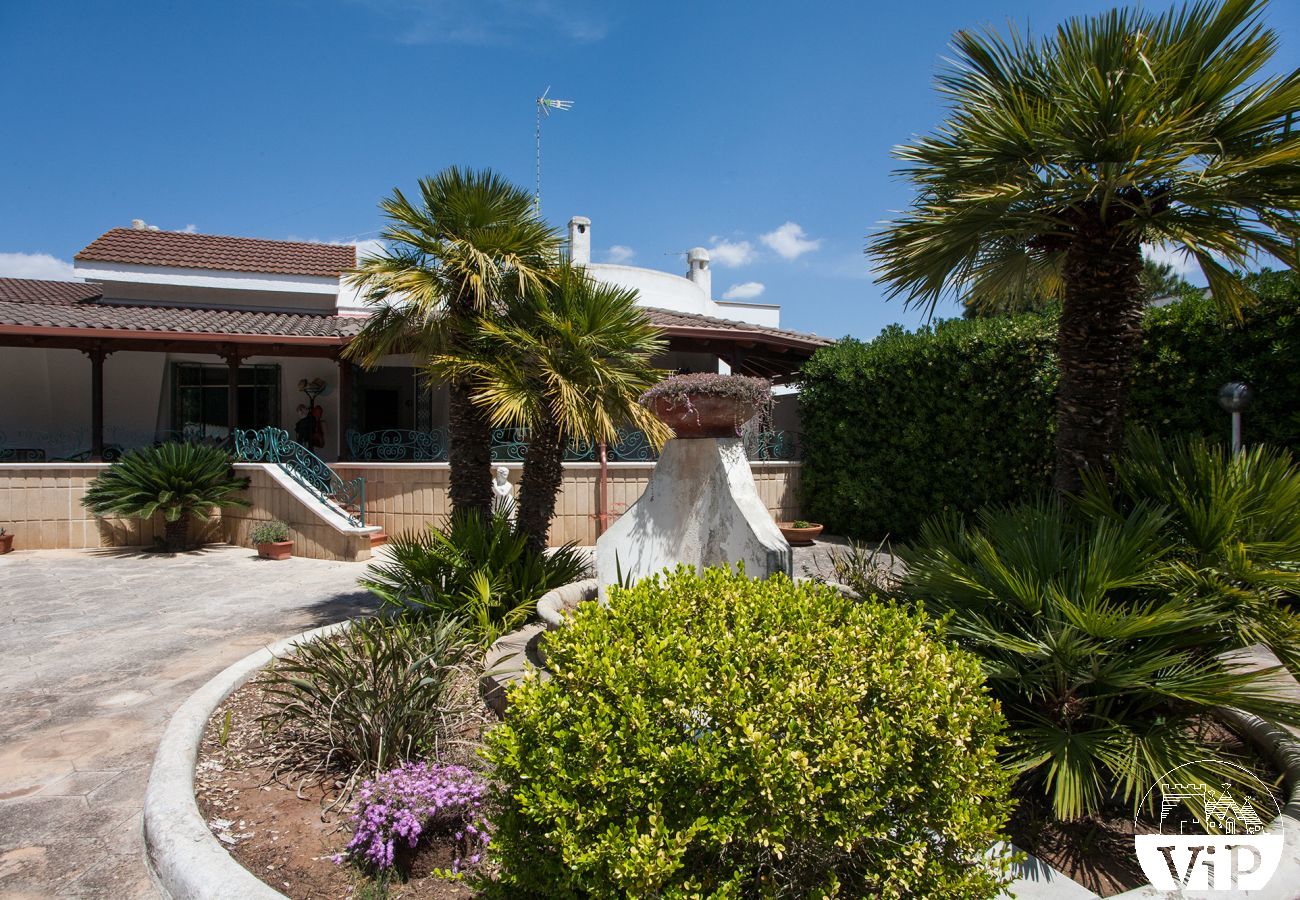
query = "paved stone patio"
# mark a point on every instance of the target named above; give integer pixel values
(97, 649)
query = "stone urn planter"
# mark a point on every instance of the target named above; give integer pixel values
(706, 405)
(6, 542)
(272, 540)
(800, 533)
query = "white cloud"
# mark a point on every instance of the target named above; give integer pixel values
(190, 229)
(746, 290)
(366, 248)
(35, 265)
(789, 241)
(1183, 264)
(731, 254)
(492, 22)
(620, 253)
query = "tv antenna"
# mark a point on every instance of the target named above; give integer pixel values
(545, 104)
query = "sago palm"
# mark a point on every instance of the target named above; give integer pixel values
(181, 481)
(1234, 521)
(567, 363)
(478, 570)
(1061, 157)
(1105, 672)
(457, 252)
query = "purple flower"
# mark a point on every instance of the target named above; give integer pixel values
(413, 800)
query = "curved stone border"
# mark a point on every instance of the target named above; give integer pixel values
(184, 856)
(553, 605)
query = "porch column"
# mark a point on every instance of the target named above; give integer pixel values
(96, 355)
(345, 408)
(232, 392)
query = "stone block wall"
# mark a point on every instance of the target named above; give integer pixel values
(406, 496)
(313, 536)
(40, 503)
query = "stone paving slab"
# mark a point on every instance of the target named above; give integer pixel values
(97, 650)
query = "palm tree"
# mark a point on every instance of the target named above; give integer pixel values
(568, 363)
(182, 481)
(470, 241)
(1061, 157)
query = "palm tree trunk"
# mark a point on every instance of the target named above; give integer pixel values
(176, 535)
(469, 454)
(541, 480)
(1100, 332)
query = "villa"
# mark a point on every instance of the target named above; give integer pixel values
(175, 335)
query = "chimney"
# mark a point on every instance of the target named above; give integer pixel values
(698, 260)
(580, 240)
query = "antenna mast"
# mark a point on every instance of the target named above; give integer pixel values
(544, 105)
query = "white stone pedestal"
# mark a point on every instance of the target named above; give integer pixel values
(701, 508)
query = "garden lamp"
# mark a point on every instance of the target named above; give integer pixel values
(1234, 397)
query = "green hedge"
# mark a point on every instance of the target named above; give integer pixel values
(959, 415)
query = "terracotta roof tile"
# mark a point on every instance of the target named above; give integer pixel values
(121, 317)
(180, 249)
(668, 319)
(64, 304)
(54, 293)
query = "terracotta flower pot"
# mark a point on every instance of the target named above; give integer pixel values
(799, 537)
(6, 543)
(276, 550)
(703, 415)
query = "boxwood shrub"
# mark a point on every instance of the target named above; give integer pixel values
(959, 415)
(713, 735)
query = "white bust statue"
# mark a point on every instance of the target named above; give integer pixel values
(503, 493)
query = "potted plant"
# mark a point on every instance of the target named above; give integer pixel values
(272, 540)
(800, 532)
(6, 542)
(707, 405)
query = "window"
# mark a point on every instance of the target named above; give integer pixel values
(199, 399)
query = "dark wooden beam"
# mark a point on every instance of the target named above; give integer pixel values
(97, 356)
(233, 360)
(345, 407)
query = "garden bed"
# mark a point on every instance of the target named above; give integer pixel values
(1098, 851)
(275, 819)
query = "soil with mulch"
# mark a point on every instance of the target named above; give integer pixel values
(277, 822)
(1098, 851)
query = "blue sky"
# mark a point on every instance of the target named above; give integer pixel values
(760, 129)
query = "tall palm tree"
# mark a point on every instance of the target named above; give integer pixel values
(456, 254)
(568, 363)
(1061, 157)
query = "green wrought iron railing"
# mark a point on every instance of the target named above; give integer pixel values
(511, 445)
(273, 445)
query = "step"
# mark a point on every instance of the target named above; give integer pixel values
(378, 539)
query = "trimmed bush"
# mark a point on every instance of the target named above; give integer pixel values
(712, 735)
(959, 415)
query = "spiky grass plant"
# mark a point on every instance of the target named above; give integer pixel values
(182, 481)
(382, 692)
